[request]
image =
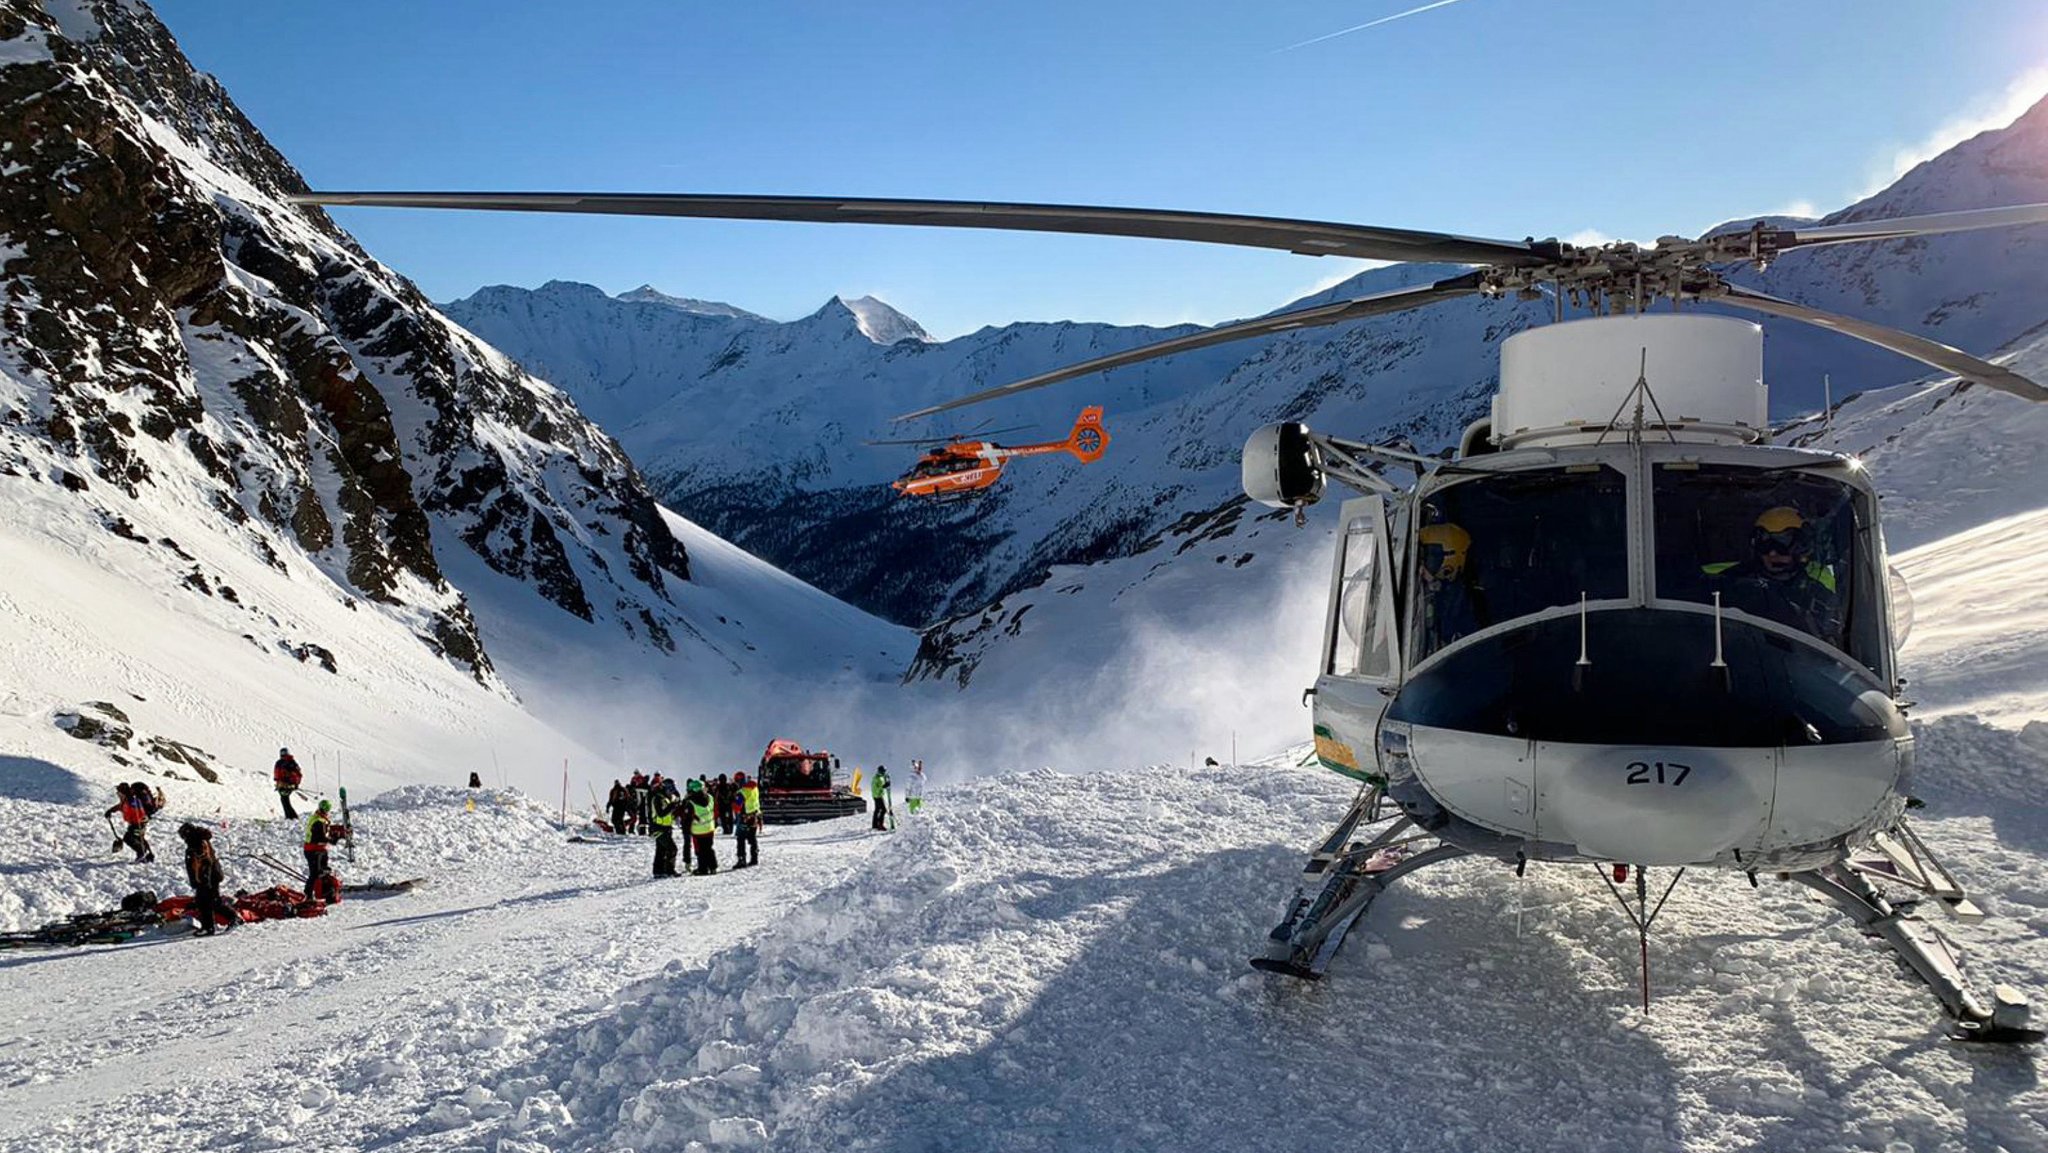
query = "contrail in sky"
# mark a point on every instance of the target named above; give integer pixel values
(1369, 24)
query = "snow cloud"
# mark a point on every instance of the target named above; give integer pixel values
(1993, 110)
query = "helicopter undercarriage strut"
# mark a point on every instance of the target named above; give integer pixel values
(1353, 874)
(1922, 947)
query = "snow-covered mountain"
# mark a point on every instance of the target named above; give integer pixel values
(754, 428)
(257, 492)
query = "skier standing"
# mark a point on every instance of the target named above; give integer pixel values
(880, 787)
(913, 792)
(703, 827)
(286, 776)
(664, 816)
(746, 822)
(135, 814)
(202, 868)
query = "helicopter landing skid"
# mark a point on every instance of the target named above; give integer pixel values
(1307, 938)
(1929, 954)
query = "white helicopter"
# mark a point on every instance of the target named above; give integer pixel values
(1616, 627)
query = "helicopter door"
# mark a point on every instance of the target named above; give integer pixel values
(1362, 634)
(1361, 643)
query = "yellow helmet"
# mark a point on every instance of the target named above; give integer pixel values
(1453, 543)
(1783, 518)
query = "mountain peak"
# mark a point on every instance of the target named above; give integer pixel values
(648, 294)
(878, 321)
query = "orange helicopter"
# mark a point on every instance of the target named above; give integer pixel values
(960, 467)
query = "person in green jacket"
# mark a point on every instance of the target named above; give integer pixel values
(879, 794)
(703, 815)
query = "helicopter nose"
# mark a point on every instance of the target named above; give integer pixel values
(1654, 805)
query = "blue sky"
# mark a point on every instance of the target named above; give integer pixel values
(1486, 117)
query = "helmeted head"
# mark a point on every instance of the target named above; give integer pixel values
(1778, 540)
(121, 789)
(1443, 551)
(739, 778)
(284, 752)
(696, 786)
(326, 806)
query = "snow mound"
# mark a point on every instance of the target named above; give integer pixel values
(1054, 962)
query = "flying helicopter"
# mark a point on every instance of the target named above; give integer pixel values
(957, 467)
(1616, 627)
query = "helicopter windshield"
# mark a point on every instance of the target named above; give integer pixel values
(945, 466)
(1792, 547)
(1504, 546)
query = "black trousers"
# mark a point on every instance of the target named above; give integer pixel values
(316, 867)
(206, 903)
(665, 853)
(134, 839)
(284, 797)
(707, 854)
(881, 811)
(747, 837)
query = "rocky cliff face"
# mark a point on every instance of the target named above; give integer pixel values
(177, 344)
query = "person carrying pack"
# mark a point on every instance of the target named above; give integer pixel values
(285, 775)
(746, 822)
(135, 814)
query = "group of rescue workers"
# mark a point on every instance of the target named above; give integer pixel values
(654, 805)
(651, 806)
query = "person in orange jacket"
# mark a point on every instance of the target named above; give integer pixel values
(136, 815)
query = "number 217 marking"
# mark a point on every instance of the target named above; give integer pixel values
(1657, 773)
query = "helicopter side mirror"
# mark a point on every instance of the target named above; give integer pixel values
(1283, 468)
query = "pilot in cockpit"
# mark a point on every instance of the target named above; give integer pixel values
(1781, 580)
(1448, 611)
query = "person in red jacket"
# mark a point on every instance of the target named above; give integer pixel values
(286, 776)
(136, 815)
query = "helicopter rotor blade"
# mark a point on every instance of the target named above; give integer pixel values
(1906, 344)
(1307, 237)
(1900, 227)
(1343, 310)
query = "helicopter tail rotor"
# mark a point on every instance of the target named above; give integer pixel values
(1089, 440)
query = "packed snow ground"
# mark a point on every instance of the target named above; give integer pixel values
(390, 1016)
(1040, 961)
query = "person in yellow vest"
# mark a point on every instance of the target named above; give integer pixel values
(663, 815)
(321, 831)
(746, 822)
(703, 818)
(1782, 580)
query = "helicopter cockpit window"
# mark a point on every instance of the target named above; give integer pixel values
(1500, 547)
(1791, 547)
